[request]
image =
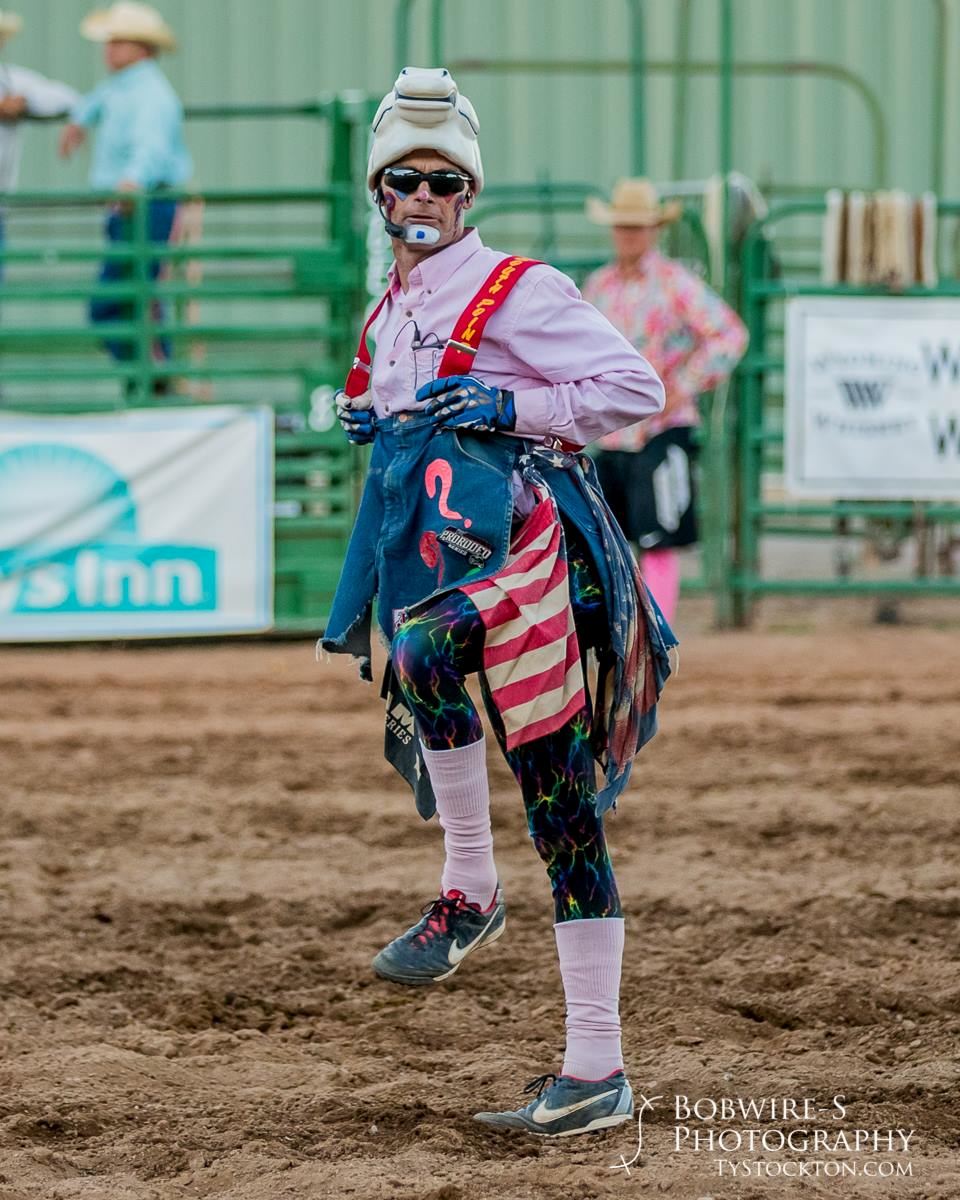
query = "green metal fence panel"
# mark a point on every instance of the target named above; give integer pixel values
(764, 517)
(316, 493)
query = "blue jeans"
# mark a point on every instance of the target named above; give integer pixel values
(118, 229)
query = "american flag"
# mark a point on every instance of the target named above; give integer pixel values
(531, 656)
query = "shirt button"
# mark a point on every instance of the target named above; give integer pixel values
(393, 362)
(386, 408)
(408, 313)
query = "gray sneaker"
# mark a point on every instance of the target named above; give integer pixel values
(434, 948)
(568, 1106)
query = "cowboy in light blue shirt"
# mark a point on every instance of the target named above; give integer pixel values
(139, 146)
(139, 121)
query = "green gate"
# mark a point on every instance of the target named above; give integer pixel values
(781, 260)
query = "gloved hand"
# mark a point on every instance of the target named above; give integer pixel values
(356, 417)
(462, 402)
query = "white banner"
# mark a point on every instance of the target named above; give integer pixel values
(149, 523)
(873, 398)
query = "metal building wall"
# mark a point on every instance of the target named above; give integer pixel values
(570, 125)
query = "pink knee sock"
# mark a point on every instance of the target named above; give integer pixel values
(661, 573)
(591, 953)
(459, 779)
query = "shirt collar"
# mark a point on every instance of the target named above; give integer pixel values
(650, 261)
(131, 74)
(435, 269)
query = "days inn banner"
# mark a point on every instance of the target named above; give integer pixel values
(151, 523)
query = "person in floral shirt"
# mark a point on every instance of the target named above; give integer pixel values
(693, 340)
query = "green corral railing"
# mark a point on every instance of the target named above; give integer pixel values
(765, 517)
(260, 291)
(549, 220)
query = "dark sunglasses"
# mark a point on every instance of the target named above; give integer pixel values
(441, 183)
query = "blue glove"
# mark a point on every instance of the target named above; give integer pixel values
(462, 402)
(357, 422)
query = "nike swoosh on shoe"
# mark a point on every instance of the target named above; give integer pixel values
(544, 1115)
(455, 953)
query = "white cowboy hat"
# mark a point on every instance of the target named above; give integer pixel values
(425, 111)
(10, 24)
(128, 21)
(634, 202)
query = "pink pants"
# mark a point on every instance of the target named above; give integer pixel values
(661, 573)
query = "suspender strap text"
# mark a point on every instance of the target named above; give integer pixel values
(463, 342)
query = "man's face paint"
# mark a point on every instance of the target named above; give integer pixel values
(444, 213)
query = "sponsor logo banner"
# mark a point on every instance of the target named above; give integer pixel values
(148, 523)
(873, 398)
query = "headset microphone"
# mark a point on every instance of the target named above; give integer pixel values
(413, 235)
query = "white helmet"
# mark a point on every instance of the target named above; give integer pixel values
(425, 111)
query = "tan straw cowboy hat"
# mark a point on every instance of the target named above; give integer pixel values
(634, 202)
(128, 21)
(10, 24)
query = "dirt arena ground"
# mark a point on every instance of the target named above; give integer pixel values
(201, 848)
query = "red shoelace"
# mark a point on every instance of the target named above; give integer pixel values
(438, 913)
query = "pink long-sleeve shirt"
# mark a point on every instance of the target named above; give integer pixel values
(572, 374)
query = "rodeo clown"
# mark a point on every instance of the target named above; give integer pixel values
(486, 541)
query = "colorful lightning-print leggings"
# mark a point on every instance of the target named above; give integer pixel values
(433, 653)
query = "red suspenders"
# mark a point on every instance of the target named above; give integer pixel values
(462, 345)
(358, 379)
(463, 342)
